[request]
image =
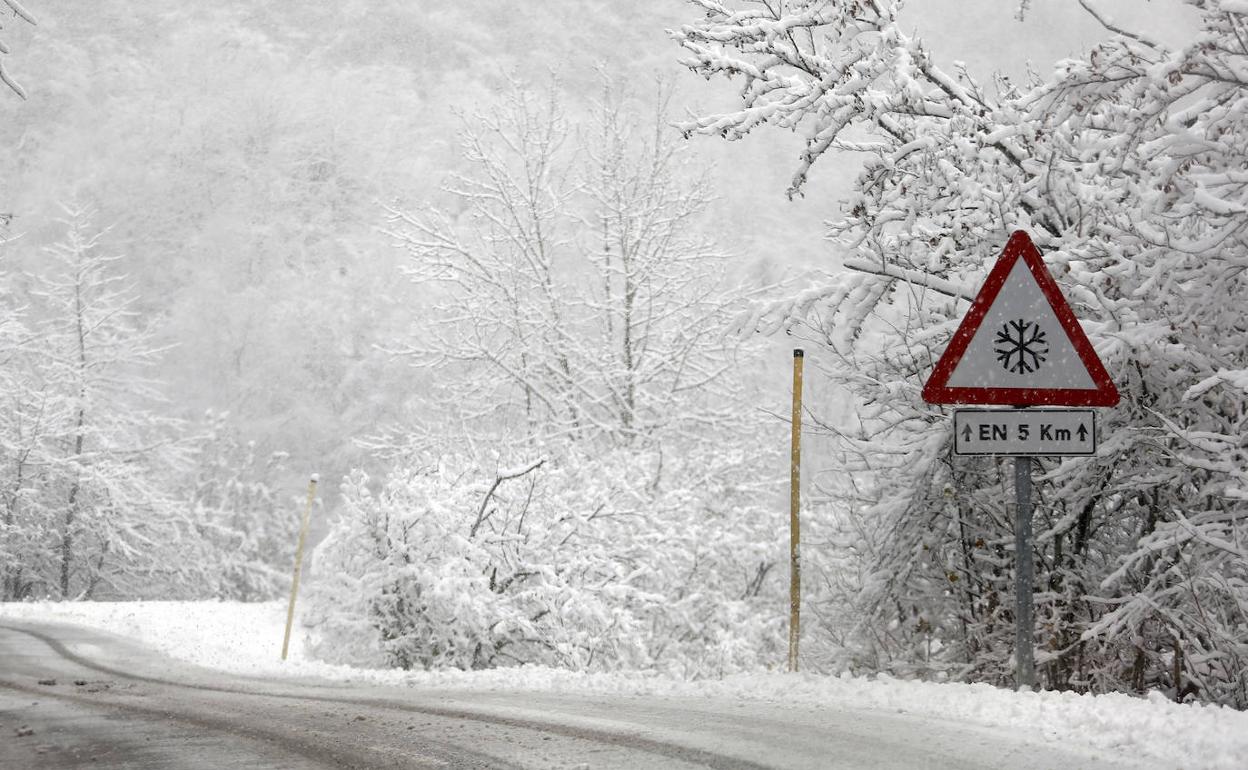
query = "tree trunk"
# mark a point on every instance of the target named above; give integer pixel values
(71, 513)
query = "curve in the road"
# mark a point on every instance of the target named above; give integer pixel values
(626, 740)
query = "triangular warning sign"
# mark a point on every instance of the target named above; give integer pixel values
(1020, 344)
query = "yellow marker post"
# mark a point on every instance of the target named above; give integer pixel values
(294, 585)
(795, 502)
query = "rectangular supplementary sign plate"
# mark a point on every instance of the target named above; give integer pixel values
(1024, 432)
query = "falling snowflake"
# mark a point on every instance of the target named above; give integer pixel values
(1020, 346)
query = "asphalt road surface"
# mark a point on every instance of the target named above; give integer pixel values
(71, 697)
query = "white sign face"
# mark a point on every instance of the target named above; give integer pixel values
(1025, 432)
(1020, 343)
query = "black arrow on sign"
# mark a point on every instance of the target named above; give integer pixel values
(966, 433)
(1083, 432)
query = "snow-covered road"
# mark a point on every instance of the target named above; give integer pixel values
(71, 695)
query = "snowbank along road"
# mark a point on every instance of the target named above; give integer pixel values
(73, 697)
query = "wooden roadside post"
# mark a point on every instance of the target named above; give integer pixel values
(294, 585)
(795, 502)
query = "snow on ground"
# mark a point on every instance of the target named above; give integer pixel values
(246, 639)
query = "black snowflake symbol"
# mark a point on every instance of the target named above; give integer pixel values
(1021, 346)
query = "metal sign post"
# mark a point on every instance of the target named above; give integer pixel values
(1024, 656)
(795, 501)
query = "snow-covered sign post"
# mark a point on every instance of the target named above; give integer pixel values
(1020, 346)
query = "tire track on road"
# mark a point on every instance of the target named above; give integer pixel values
(625, 740)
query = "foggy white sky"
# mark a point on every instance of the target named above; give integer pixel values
(987, 35)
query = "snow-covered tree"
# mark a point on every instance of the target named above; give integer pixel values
(576, 288)
(23, 419)
(1126, 166)
(100, 496)
(103, 497)
(594, 493)
(1173, 253)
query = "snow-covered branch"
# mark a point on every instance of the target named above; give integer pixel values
(18, 11)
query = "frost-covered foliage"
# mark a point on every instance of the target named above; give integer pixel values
(577, 565)
(87, 512)
(21, 415)
(1127, 166)
(17, 11)
(591, 491)
(92, 480)
(248, 528)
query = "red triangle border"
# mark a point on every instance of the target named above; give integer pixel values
(937, 391)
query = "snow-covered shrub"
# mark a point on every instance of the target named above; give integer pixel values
(573, 562)
(247, 529)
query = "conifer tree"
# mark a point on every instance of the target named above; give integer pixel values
(104, 499)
